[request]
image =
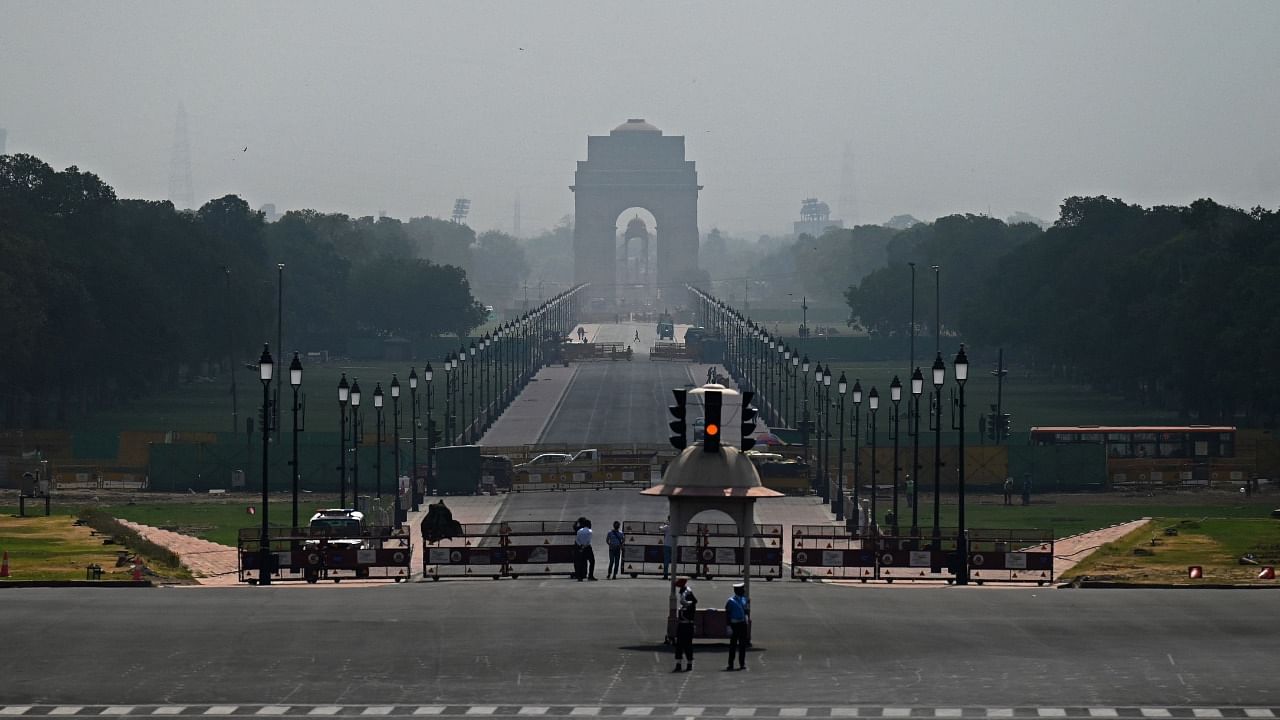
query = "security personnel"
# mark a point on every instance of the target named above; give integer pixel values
(686, 613)
(738, 611)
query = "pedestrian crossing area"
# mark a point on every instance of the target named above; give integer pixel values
(642, 711)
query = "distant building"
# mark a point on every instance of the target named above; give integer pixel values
(269, 212)
(815, 218)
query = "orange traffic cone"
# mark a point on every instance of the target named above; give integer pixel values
(1267, 573)
(137, 571)
(4, 566)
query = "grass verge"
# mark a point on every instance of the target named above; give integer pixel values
(1162, 551)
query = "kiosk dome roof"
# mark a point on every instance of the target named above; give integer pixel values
(635, 125)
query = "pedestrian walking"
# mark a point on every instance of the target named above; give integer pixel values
(586, 556)
(615, 540)
(637, 335)
(686, 614)
(738, 611)
(1008, 490)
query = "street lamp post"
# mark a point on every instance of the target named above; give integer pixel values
(357, 429)
(917, 388)
(817, 430)
(873, 404)
(295, 379)
(265, 367)
(377, 440)
(841, 387)
(826, 433)
(804, 416)
(935, 419)
(961, 365)
(395, 433)
(471, 420)
(427, 376)
(795, 367)
(413, 439)
(344, 393)
(895, 394)
(857, 455)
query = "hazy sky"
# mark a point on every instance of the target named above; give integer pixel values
(948, 107)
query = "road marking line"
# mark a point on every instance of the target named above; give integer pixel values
(14, 709)
(999, 712)
(221, 709)
(690, 711)
(1155, 712)
(585, 711)
(482, 710)
(741, 712)
(66, 710)
(1207, 712)
(378, 710)
(1051, 712)
(947, 712)
(793, 712)
(1103, 712)
(844, 712)
(169, 710)
(533, 710)
(895, 712)
(325, 710)
(429, 710)
(273, 710)
(1258, 712)
(639, 710)
(116, 710)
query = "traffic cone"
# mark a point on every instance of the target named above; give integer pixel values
(1195, 572)
(4, 566)
(1267, 573)
(137, 571)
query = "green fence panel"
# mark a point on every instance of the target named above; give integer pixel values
(1059, 468)
(95, 445)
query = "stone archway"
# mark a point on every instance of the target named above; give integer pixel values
(635, 165)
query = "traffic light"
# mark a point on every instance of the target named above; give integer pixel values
(711, 400)
(678, 440)
(748, 421)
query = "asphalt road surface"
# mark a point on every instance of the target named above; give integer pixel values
(510, 647)
(616, 402)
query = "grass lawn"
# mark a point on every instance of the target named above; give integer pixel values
(1150, 555)
(1071, 514)
(218, 521)
(51, 548)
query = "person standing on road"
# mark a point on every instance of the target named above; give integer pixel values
(586, 556)
(1008, 490)
(686, 614)
(1026, 489)
(738, 611)
(614, 539)
(668, 543)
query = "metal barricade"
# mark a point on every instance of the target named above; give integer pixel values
(1022, 556)
(829, 552)
(916, 557)
(501, 549)
(708, 550)
(377, 553)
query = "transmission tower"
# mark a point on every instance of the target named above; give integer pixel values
(180, 192)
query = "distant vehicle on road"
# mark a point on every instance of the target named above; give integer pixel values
(666, 328)
(581, 467)
(778, 472)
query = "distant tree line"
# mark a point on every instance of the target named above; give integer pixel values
(103, 299)
(1177, 307)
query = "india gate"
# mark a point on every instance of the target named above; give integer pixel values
(635, 166)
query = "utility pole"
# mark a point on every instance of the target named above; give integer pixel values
(1000, 372)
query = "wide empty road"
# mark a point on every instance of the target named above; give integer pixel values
(617, 402)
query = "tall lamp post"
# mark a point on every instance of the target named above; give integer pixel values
(873, 404)
(344, 394)
(427, 375)
(826, 433)
(917, 389)
(841, 387)
(448, 401)
(817, 429)
(935, 420)
(265, 367)
(857, 456)
(413, 439)
(377, 440)
(961, 365)
(475, 413)
(804, 416)
(895, 395)
(357, 429)
(795, 368)
(295, 379)
(395, 433)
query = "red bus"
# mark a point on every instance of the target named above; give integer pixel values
(1159, 454)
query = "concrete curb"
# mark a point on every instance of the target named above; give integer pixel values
(1119, 585)
(75, 583)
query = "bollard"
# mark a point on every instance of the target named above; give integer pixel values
(93, 571)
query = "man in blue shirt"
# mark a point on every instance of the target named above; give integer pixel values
(614, 539)
(738, 610)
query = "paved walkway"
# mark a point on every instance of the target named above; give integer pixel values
(524, 421)
(211, 563)
(1069, 551)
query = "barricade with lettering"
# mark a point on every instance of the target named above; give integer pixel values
(916, 557)
(314, 554)
(829, 552)
(708, 550)
(1011, 556)
(502, 548)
